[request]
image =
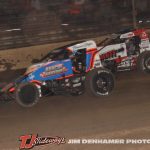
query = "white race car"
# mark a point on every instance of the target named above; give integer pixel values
(127, 50)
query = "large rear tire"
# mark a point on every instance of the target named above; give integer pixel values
(143, 62)
(100, 82)
(27, 94)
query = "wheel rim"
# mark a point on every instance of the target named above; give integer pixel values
(101, 85)
(27, 94)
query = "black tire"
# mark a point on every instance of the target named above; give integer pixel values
(100, 82)
(27, 94)
(143, 62)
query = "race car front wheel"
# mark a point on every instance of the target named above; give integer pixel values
(143, 62)
(100, 82)
(27, 94)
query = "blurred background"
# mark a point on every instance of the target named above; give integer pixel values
(33, 22)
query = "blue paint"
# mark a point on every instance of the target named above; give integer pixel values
(37, 75)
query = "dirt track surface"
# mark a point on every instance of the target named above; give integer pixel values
(124, 114)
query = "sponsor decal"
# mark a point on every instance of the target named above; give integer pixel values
(53, 70)
(30, 141)
(107, 55)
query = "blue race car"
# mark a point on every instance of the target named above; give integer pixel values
(70, 70)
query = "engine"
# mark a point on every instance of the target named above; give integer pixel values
(71, 85)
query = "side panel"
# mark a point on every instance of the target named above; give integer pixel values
(52, 70)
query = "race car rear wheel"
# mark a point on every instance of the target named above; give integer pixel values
(27, 94)
(100, 82)
(143, 62)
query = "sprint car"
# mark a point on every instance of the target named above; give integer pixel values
(126, 50)
(70, 70)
